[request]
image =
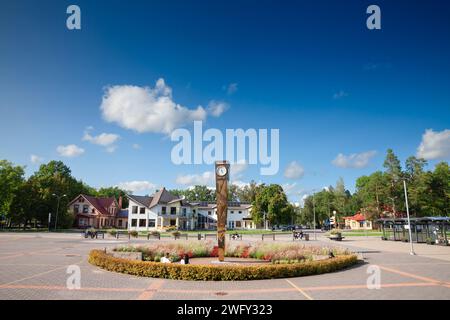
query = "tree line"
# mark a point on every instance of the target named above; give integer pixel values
(28, 201)
(381, 194)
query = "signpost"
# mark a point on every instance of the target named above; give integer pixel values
(222, 176)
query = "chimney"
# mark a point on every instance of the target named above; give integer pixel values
(120, 202)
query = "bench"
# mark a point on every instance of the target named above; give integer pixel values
(268, 235)
(154, 235)
(210, 235)
(235, 236)
(119, 233)
(181, 235)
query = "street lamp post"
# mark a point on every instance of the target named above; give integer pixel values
(57, 208)
(409, 221)
(314, 214)
(335, 219)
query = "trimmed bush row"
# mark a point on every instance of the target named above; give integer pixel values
(217, 273)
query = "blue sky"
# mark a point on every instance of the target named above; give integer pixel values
(311, 69)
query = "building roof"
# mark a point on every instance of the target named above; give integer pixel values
(144, 200)
(101, 204)
(415, 220)
(162, 197)
(357, 217)
(165, 197)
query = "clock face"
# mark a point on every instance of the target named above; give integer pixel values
(221, 171)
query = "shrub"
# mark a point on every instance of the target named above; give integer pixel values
(176, 233)
(219, 272)
(133, 233)
(112, 232)
(155, 233)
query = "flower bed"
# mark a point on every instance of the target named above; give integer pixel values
(274, 252)
(288, 260)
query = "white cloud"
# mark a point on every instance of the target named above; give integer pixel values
(354, 160)
(339, 95)
(136, 146)
(291, 189)
(231, 88)
(106, 140)
(145, 109)
(137, 186)
(111, 149)
(240, 183)
(294, 171)
(36, 159)
(216, 108)
(103, 139)
(237, 169)
(70, 151)
(434, 145)
(206, 178)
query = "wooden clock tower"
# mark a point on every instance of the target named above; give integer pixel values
(222, 177)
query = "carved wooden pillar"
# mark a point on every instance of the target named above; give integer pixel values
(222, 176)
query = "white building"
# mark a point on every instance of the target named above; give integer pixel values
(163, 210)
(238, 216)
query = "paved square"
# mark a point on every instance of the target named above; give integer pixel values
(34, 266)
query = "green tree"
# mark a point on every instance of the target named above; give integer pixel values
(11, 180)
(233, 192)
(54, 178)
(272, 201)
(113, 192)
(394, 172)
(248, 193)
(197, 193)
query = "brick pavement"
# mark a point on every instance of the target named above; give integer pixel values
(34, 265)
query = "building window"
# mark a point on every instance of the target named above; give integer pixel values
(361, 224)
(173, 222)
(141, 222)
(142, 210)
(163, 210)
(119, 223)
(238, 224)
(93, 210)
(134, 209)
(85, 208)
(133, 222)
(76, 208)
(184, 211)
(209, 213)
(231, 211)
(173, 210)
(240, 211)
(151, 223)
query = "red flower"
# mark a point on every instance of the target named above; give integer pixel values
(245, 253)
(215, 251)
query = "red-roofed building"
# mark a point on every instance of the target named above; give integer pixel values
(358, 222)
(98, 212)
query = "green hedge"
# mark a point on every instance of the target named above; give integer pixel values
(223, 272)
